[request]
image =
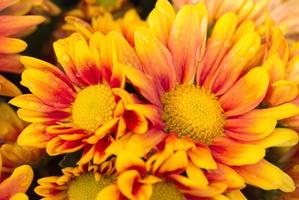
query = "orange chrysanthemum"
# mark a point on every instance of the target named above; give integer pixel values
(9, 61)
(14, 186)
(210, 91)
(106, 23)
(82, 182)
(161, 172)
(86, 106)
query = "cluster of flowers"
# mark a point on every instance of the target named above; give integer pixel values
(181, 106)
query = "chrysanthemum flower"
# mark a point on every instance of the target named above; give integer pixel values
(162, 172)
(255, 10)
(10, 26)
(13, 155)
(86, 106)
(105, 23)
(14, 186)
(82, 182)
(209, 92)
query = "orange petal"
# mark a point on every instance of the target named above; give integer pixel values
(161, 19)
(282, 91)
(197, 181)
(33, 116)
(155, 58)
(48, 88)
(177, 161)
(144, 84)
(248, 129)
(10, 63)
(247, 93)
(235, 61)
(226, 175)
(266, 176)
(7, 88)
(19, 196)
(58, 146)
(187, 40)
(280, 112)
(201, 156)
(80, 25)
(275, 68)
(31, 102)
(292, 69)
(109, 193)
(30, 62)
(14, 24)
(232, 153)
(280, 137)
(148, 111)
(217, 46)
(125, 53)
(34, 136)
(6, 3)
(11, 45)
(126, 183)
(19, 181)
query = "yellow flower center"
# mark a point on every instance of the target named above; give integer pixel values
(166, 191)
(93, 106)
(85, 187)
(193, 111)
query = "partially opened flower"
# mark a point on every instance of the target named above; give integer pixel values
(10, 26)
(15, 185)
(86, 106)
(105, 23)
(82, 182)
(209, 92)
(14, 155)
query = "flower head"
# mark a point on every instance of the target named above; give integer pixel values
(208, 90)
(82, 182)
(86, 106)
(105, 23)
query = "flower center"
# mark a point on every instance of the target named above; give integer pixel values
(166, 191)
(93, 106)
(85, 187)
(193, 111)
